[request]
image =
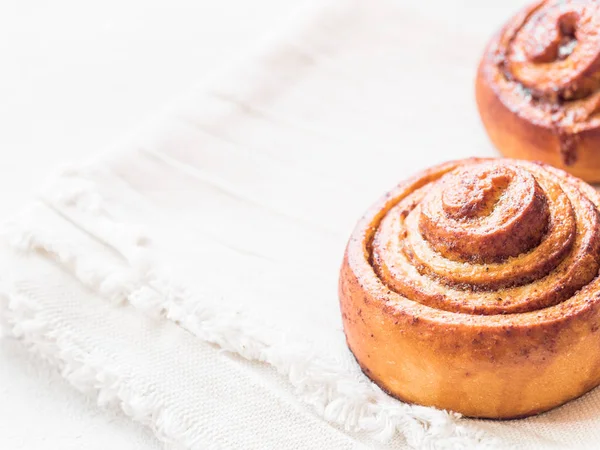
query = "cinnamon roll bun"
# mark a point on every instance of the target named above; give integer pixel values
(473, 287)
(538, 86)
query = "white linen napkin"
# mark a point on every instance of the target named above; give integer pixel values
(189, 276)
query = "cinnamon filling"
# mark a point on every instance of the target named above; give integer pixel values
(551, 58)
(489, 238)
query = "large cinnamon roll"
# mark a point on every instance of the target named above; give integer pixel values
(538, 86)
(473, 287)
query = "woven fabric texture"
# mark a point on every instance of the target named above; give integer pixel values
(189, 276)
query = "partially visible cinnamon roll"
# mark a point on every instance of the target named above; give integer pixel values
(474, 287)
(538, 86)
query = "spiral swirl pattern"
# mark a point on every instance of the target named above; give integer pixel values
(545, 67)
(481, 275)
(495, 237)
(554, 51)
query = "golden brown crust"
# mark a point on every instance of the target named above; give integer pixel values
(437, 329)
(538, 86)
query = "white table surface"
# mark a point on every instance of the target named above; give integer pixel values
(75, 76)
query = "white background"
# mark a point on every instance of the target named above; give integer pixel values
(74, 76)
